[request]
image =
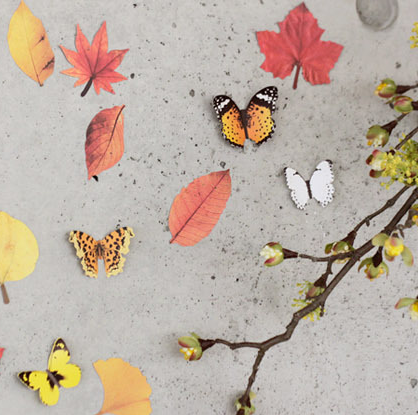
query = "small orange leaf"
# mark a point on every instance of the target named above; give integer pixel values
(197, 208)
(104, 140)
(29, 45)
(126, 391)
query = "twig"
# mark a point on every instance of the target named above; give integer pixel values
(352, 234)
(387, 205)
(407, 138)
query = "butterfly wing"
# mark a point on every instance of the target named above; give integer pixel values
(86, 249)
(67, 374)
(230, 117)
(321, 183)
(297, 185)
(259, 123)
(39, 380)
(114, 245)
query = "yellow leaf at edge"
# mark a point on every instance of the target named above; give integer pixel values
(18, 249)
(29, 45)
(126, 391)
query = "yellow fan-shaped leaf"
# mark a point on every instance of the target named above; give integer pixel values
(18, 251)
(126, 391)
(29, 45)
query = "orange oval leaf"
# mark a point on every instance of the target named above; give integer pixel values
(126, 390)
(104, 140)
(197, 208)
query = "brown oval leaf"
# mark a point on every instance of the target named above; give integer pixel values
(104, 140)
(197, 208)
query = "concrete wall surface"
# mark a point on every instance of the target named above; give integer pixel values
(361, 358)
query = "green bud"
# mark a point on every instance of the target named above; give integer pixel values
(248, 410)
(273, 252)
(191, 348)
(405, 302)
(386, 89)
(377, 136)
(403, 104)
(380, 239)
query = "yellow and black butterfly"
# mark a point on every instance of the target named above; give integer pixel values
(59, 373)
(254, 123)
(110, 249)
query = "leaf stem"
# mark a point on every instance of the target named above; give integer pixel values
(6, 299)
(295, 82)
(87, 87)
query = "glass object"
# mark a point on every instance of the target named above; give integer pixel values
(378, 14)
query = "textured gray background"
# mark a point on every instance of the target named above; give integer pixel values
(360, 359)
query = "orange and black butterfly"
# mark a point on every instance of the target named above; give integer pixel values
(254, 123)
(110, 249)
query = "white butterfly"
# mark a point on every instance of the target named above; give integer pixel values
(319, 187)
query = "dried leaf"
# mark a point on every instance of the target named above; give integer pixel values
(18, 251)
(197, 208)
(126, 391)
(29, 45)
(93, 63)
(104, 140)
(298, 45)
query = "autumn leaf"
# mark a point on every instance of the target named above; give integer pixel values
(29, 45)
(18, 251)
(197, 208)
(104, 140)
(126, 391)
(298, 44)
(1, 352)
(93, 63)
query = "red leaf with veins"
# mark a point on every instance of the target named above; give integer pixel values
(298, 44)
(93, 63)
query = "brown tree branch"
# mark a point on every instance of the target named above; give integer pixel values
(387, 205)
(318, 301)
(352, 234)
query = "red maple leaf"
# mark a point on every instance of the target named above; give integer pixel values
(298, 44)
(94, 64)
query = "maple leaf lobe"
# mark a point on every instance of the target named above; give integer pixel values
(298, 44)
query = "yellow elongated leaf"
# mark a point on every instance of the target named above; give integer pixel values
(18, 251)
(29, 45)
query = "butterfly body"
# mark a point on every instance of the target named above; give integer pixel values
(59, 373)
(110, 249)
(254, 123)
(308, 186)
(319, 187)
(54, 378)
